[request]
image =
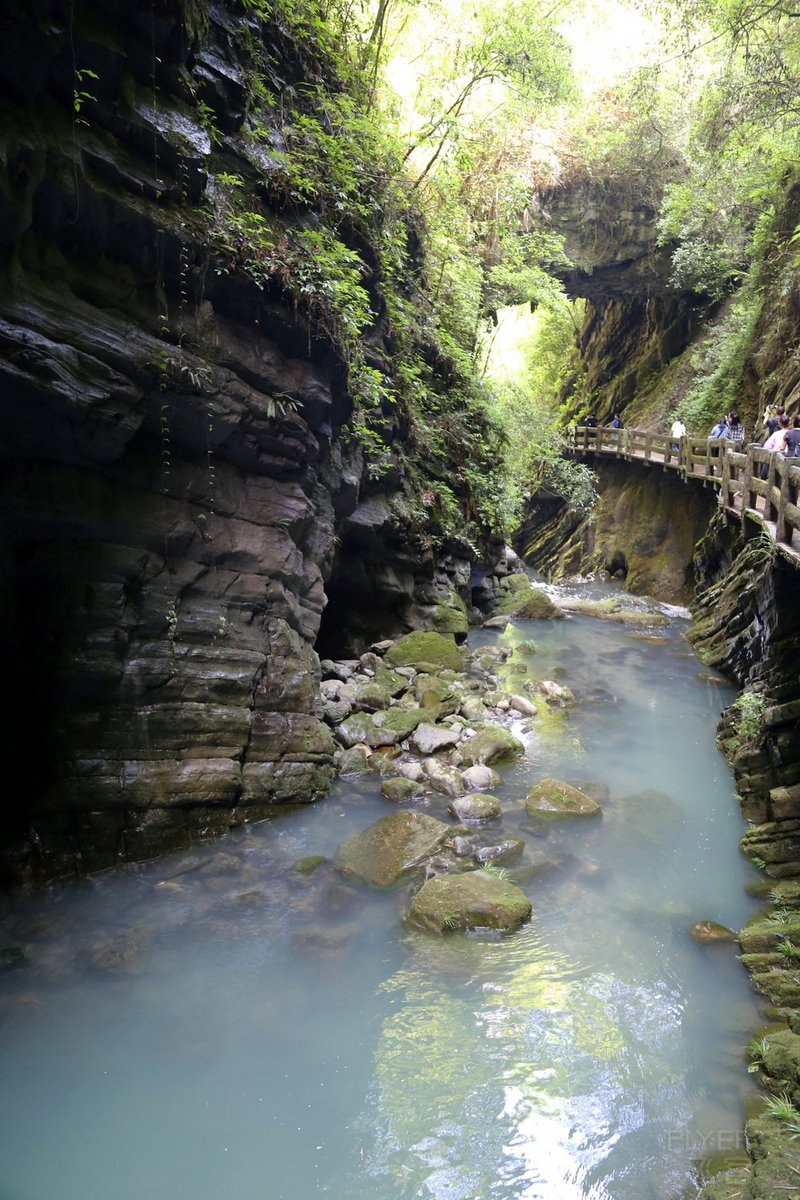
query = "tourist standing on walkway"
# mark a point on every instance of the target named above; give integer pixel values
(735, 429)
(791, 440)
(677, 432)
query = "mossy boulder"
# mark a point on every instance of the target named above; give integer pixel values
(553, 798)
(475, 807)
(426, 648)
(450, 615)
(361, 729)
(386, 851)
(475, 900)
(398, 788)
(489, 745)
(403, 721)
(711, 931)
(438, 697)
(612, 609)
(519, 598)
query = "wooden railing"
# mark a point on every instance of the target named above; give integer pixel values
(774, 500)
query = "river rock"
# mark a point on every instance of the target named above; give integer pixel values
(120, 955)
(426, 648)
(499, 622)
(473, 709)
(711, 931)
(411, 770)
(523, 705)
(553, 798)
(402, 720)
(361, 728)
(476, 900)
(473, 807)
(386, 851)
(555, 693)
(438, 697)
(398, 788)
(428, 739)
(501, 852)
(480, 778)
(355, 760)
(492, 744)
(443, 779)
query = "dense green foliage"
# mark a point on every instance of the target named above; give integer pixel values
(396, 147)
(396, 244)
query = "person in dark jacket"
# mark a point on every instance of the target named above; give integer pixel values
(791, 440)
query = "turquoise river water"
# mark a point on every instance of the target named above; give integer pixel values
(280, 1036)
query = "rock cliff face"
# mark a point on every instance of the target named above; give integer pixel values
(644, 529)
(176, 493)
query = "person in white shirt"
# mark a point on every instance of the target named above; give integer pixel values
(677, 432)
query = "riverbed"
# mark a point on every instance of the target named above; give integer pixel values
(222, 1024)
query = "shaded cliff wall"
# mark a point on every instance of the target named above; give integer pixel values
(644, 529)
(176, 487)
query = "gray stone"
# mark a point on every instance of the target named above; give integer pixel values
(476, 900)
(473, 807)
(443, 779)
(391, 848)
(491, 744)
(428, 739)
(480, 778)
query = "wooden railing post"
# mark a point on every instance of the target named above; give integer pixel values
(725, 466)
(783, 532)
(748, 491)
(770, 507)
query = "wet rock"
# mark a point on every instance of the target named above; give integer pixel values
(361, 728)
(120, 955)
(499, 622)
(309, 864)
(461, 846)
(422, 649)
(399, 789)
(711, 931)
(473, 807)
(355, 760)
(402, 721)
(519, 598)
(411, 770)
(443, 779)
(473, 709)
(476, 900)
(428, 739)
(555, 693)
(492, 744)
(523, 705)
(386, 851)
(553, 798)
(480, 778)
(502, 852)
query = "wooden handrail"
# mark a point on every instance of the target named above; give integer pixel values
(751, 480)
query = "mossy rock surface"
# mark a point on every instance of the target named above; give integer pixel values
(398, 788)
(519, 598)
(361, 728)
(612, 609)
(554, 798)
(475, 900)
(425, 648)
(386, 851)
(475, 807)
(711, 931)
(450, 615)
(489, 745)
(402, 721)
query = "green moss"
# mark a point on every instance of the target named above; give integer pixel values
(426, 648)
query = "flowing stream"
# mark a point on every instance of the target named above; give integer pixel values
(274, 1035)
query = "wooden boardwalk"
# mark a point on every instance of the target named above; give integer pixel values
(771, 502)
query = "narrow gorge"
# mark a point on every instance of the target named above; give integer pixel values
(250, 449)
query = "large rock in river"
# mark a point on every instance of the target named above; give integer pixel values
(426, 649)
(476, 900)
(492, 744)
(384, 852)
(552, 798)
